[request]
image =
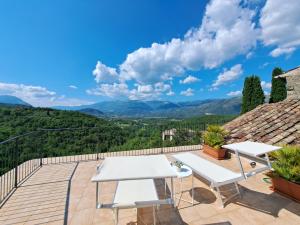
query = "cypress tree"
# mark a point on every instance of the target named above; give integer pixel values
(278, 91)
(246, 101)
(257, 97)
(253, 94)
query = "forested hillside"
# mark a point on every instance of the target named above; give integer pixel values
(88, 134)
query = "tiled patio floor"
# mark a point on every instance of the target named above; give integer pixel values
(64, 194)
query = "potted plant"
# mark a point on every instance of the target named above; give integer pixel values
(286, 172)
(178, 165)
(214, 138)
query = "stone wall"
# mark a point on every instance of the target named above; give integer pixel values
(293, 83)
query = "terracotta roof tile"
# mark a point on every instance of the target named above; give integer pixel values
(270, 123)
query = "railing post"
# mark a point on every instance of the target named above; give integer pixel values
(16, 163)
(41, 148)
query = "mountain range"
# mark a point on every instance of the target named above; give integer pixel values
(137, 108)
(12, 100)
(162, 108)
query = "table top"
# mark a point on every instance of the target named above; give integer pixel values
(134, 168)
(184, 172)
(252, 148)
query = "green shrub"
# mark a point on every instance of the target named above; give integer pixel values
(214, 136)
(287, 163)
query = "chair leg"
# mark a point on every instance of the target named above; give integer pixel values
(116, 212)
(220, 197)
(154, 216)
(237, 189)
(193, 189)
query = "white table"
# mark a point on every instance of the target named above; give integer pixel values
(133, 168)
(185, 172)
(253, 149)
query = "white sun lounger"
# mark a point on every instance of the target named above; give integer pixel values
(136, 194)
(215, 174)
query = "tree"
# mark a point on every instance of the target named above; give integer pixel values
(246, 101)
(278, 91)
(253, 94)
(258, 96)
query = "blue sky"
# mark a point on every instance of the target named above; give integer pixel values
(79, 52)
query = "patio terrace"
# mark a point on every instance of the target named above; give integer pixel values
(63, 194)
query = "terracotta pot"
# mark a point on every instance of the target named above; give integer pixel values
(287, 188)
(215, 153)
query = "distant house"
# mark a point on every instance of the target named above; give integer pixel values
(168, 134)
(293, 82)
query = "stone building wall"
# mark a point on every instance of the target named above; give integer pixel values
(293, 85)
(293, 82)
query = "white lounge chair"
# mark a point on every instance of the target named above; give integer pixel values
(136, 194)
(215, 174)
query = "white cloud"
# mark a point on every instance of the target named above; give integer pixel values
(139, 92)
(170, 93)
(234, 93)
(187, 92)
(73, 87)
(110, 90)
(280, 26)
(228, 75)
(249, 55)
(282, 51)
(104, 73)
(219, 38)
(266, 85)
(189, 79)
(38, 96)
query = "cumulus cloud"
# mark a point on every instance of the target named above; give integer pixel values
(266, 85)
(170, 93)
(104, 73)
(188, 92)
(38, 96)
(234, 93)
(110, 90)
(219, 38)
(228, 76)
(280, 26)
(139, 92)
(189, 79)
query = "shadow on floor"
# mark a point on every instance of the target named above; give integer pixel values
(43, 198)
(266, 203)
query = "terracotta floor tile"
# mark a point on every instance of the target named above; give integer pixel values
(42, 200)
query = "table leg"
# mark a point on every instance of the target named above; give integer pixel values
(192, 188)
(98, 204)
(165, 187)
(172, 191)
(268, 161)
(154, 216)
(97, 200)
(240, 164)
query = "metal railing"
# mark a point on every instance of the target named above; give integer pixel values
(22, 155)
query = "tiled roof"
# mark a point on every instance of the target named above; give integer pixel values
(292, 72)
(276, 123)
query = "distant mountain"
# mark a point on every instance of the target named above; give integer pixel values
(165, 108)
(12, 100)
(92, 112)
